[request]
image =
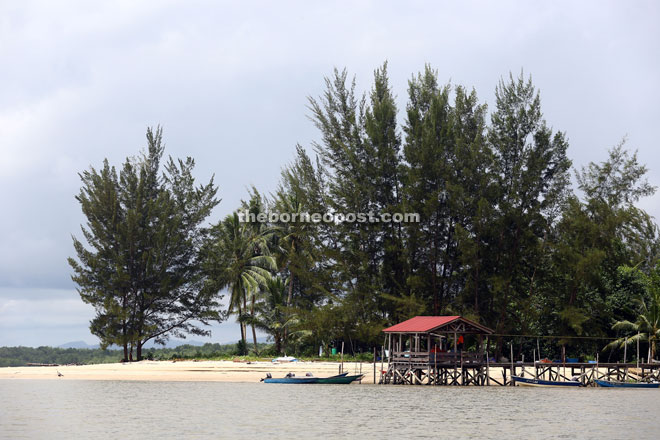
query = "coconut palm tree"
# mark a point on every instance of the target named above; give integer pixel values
(294, 250)
(647, 325)
(242, 264)
(271, 314)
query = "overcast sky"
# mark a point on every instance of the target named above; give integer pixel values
(81, 81)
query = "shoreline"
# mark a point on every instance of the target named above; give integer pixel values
(200, 371)
(187, 371)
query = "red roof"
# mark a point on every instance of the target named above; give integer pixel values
(421, 324)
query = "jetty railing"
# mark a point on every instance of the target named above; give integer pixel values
(447, 369)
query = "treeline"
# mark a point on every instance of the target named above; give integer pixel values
(21, 356)
(504, 238)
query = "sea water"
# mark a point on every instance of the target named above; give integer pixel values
(127, 409)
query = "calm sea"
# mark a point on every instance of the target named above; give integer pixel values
(121, 410)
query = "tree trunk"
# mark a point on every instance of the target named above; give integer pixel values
(254, 333)
(125, 352)
(243, 324)
(288, 304)
(434, 285)
(139, 351)
(290, 295)
(240, 313)
(476, 290)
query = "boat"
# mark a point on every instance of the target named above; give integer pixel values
(531, 382)
(290, 378)
(615, 384)
(284, 359)
(342, 378)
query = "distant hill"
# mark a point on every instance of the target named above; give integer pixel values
(78, 344)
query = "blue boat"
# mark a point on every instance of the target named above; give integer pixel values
(531, 382)
(304, 379)
(614, 384)
(290, 378)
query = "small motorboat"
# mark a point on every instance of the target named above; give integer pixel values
(615, 384)
(531, 382)
(342, 378)
(284, 359)
(290, 378)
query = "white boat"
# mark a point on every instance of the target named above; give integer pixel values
(285, 359)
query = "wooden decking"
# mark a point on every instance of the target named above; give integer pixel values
(465, 369)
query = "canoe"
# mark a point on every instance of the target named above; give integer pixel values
(531, 382)
(614, 384)
(341, 379)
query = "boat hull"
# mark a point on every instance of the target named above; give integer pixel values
(611, 384)
(531, 382)
(290, 380)
(340, 379)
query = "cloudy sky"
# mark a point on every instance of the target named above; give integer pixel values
(81, 81)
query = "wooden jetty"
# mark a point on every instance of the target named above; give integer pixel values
(427, 350)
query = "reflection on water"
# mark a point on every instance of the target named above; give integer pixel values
(115, 409)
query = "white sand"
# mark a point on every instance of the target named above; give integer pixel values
(220, 371)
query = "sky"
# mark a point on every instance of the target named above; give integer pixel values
(229, 82)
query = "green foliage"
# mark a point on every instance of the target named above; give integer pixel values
(238, 259)
(21, 356)
(646, 326)
(502, 238)
(141, 266)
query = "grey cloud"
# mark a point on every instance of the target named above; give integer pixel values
(229, 83)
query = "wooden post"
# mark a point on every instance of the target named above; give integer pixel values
(342, 358)
(625, 359)
(487, 365)
(382, 355)
(389, 352)
(374, 365)
(512, 371)
(538, 348)
(462, 370)
(637, 349)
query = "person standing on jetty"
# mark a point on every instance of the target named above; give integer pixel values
(459, 344)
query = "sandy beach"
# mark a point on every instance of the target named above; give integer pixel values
(201, 371)
(215, 371)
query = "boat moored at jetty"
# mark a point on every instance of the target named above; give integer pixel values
(532, 382)
(617, 384)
